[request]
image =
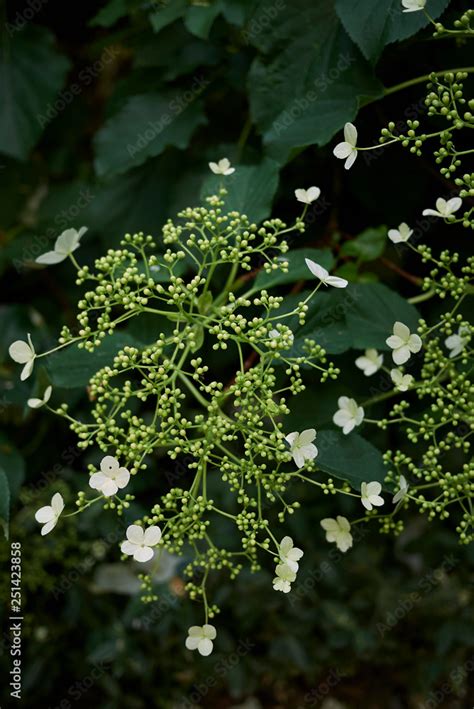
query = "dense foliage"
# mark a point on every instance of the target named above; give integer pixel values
(278, 359)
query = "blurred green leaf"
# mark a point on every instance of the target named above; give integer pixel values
(368, 245)
(350, 457)
(4, 503)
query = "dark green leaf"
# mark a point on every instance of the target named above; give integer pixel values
(170, 11)
(13, 465)
(368, 246)
(31, 74)
(199, 18)
(145, 126)
(350, 457)
(372, 24)
(108, 16)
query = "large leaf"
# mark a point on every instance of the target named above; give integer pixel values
(4, 502)
(71, 367)
(311, 78)
(251, 189)
(350, 458)
(297, 268)
(31, 74)
(368, 245)
(357, 317)
(372, 24)
(145, 126)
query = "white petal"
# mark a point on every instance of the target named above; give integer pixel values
(454, 204)
(401, 330)
(351, 160)
(27, 369)
(50, 258)
(431, 213)
(20, 352)
(401, 355)
(35, 403)
(415, 343)
(192, 642)
(109, 488)
(47, 394)
(135, 534)
(57, 503)
(298, 457)
(349, 426)
(329, 524)
(350, 134)
(44, 514)
(205, 647)
(316, 269)
(209, 631)
(291, 437)
(97, 480)
(67, 242)
(128, 548)
(336, 282)
(306, 436)
(48, 527)
(152, 536)
(342, 150)
(143, 554)
(109, 465)
(122, 477)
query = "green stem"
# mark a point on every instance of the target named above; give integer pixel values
(424, 78)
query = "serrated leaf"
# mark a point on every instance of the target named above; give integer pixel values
(31, 74)
(250, 188)
(297, 268)
(372, 24)
(145, 126)
(350, 457)
(309, 80)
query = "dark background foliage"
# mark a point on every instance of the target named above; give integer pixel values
(109, 114)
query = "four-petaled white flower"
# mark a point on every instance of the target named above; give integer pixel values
(324, 276)
(223, 167)
(65, 244)
(403, 343)
(307, 196)
(301, 446)
(339, 531)
(111, 478)
(200, 638)
(289, 554)
(49, 515)
(402, 381)
(349, 415)
(402, 490)
(347, 150)
(370, 495)
(457, 343)
(284, 578)
(23, 353)
(444, 208)
(401, 234)
(413, 5)
(38, 403)
(140, 541)
(370, 362)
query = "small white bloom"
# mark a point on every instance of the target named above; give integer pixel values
(347, 150)
(413, 5)
(223, 167)
(444, 208)
(339, 531)
(284, 578)
(49, 515)
(279, 337)
(457, 343)
(140, 541)
(349, 415)
(401, 234)
(307, 196)
(23, 353)
(38, 403)
(289, 554)
(402, 381)
(403, 343)
(65, 244)
(402, 491)
(301, 446)
(111, 478)
(370, 362)
(200, 638)
(370, 495)
(324, 276)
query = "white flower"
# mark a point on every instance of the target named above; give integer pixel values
(403, 343)
(347, 149)
(284, 578)
(413, 5)
(444, 208)
(279, 337)
(457, 343)
(200, 638)
(301, 446)
(401, 234)
(111, 478)
(402, 491)
(65, 244)
(370, 362)
(370, 495)
(402, 381)
(140, 542)
(289, 554)
(38, 403)
(324, 276)
(307, 196)
(349, 415)
(223, 167)
(23, 353)
(339, 531)
(49, 515)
